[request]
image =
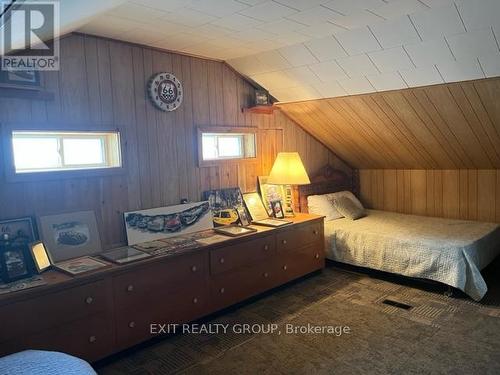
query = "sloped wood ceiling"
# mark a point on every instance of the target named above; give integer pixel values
(446, 126)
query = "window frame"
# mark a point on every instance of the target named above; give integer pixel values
(226, 130)
(80, 171)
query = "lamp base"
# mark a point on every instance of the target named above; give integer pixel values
(288, 203)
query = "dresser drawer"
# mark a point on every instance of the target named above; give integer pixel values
(40, 313)
(232, 287)
(298, 236)
(242, 254)
(154, 283)
(90, 338)
(184, 305)
(299, 262)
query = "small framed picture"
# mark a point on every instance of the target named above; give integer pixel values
(272, 222)
(40, 256)
(19, 231)
(255, 206)
(277, 209)
(242, 214)
(70, 235)
(80, 266)
(125, 255)
(234, 230)
(15, 263)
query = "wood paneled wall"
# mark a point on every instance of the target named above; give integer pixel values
(460, 194)
(431, 150)
(447, 126)
(102, 84)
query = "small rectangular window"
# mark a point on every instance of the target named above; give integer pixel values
(46, 151)
(227, 145)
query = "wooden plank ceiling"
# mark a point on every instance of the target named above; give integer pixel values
(446, 126)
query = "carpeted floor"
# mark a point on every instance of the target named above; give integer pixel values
(437, 335)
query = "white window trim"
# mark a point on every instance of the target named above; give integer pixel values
(109, 140)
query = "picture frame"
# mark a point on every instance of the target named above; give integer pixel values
(165, 222)
(272, 222)
(270, 192)
(124, 255)
(234, 230)
(70, 235)
(19, 231)
(243, 216)
(41, 257)
(225, 204)
(255, 206)
(81, 265)
(28, 79)
(15, 262)
(277, 210)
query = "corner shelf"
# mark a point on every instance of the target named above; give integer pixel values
(261, 109)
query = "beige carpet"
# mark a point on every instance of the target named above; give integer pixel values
(437, 335)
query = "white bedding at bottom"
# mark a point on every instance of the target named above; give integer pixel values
(452, 252)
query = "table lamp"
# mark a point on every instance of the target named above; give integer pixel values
(288, 170)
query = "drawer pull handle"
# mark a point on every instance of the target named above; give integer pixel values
(315, 231)
(89, 300)
(195, 300)
(194, 269)
(285, 267)
(92, 339)
(317, 256)
(131, 325)
(222, 290)
(266, 274)
(266, 247)
(221, 260)
(284, 242)
(130, 288)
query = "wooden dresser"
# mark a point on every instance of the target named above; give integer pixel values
(95, 315)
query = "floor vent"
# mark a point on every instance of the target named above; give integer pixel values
(397, 304)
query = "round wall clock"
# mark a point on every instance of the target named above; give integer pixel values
(165, 91)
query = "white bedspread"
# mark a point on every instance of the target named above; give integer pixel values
(452, 252)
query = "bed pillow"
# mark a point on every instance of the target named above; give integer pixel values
(322, 205)
(347, 194)
(348, 208)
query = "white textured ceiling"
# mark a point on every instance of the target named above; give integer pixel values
(309, 49)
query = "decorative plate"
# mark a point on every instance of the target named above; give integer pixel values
(165, 91)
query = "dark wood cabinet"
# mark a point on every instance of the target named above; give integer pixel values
(93, 316)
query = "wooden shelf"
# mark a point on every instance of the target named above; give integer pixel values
(261, 109)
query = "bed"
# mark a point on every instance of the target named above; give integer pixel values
(452, 252)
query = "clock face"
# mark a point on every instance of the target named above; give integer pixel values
(165, 91)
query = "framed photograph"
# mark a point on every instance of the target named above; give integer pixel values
(234, 230)
(80, 266)
(150, 246)
(18, 231)
(225, 204)
(269, 193)
(28, 79)
(243, 216)
(40, 256)
(271, 222)
(15, 262)
(164, 222)
(70, 235)
(277, 210)
(123, 255)
(255, 206)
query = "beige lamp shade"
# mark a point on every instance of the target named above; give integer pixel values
(288, 170)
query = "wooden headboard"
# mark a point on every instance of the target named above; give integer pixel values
(327, 180)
